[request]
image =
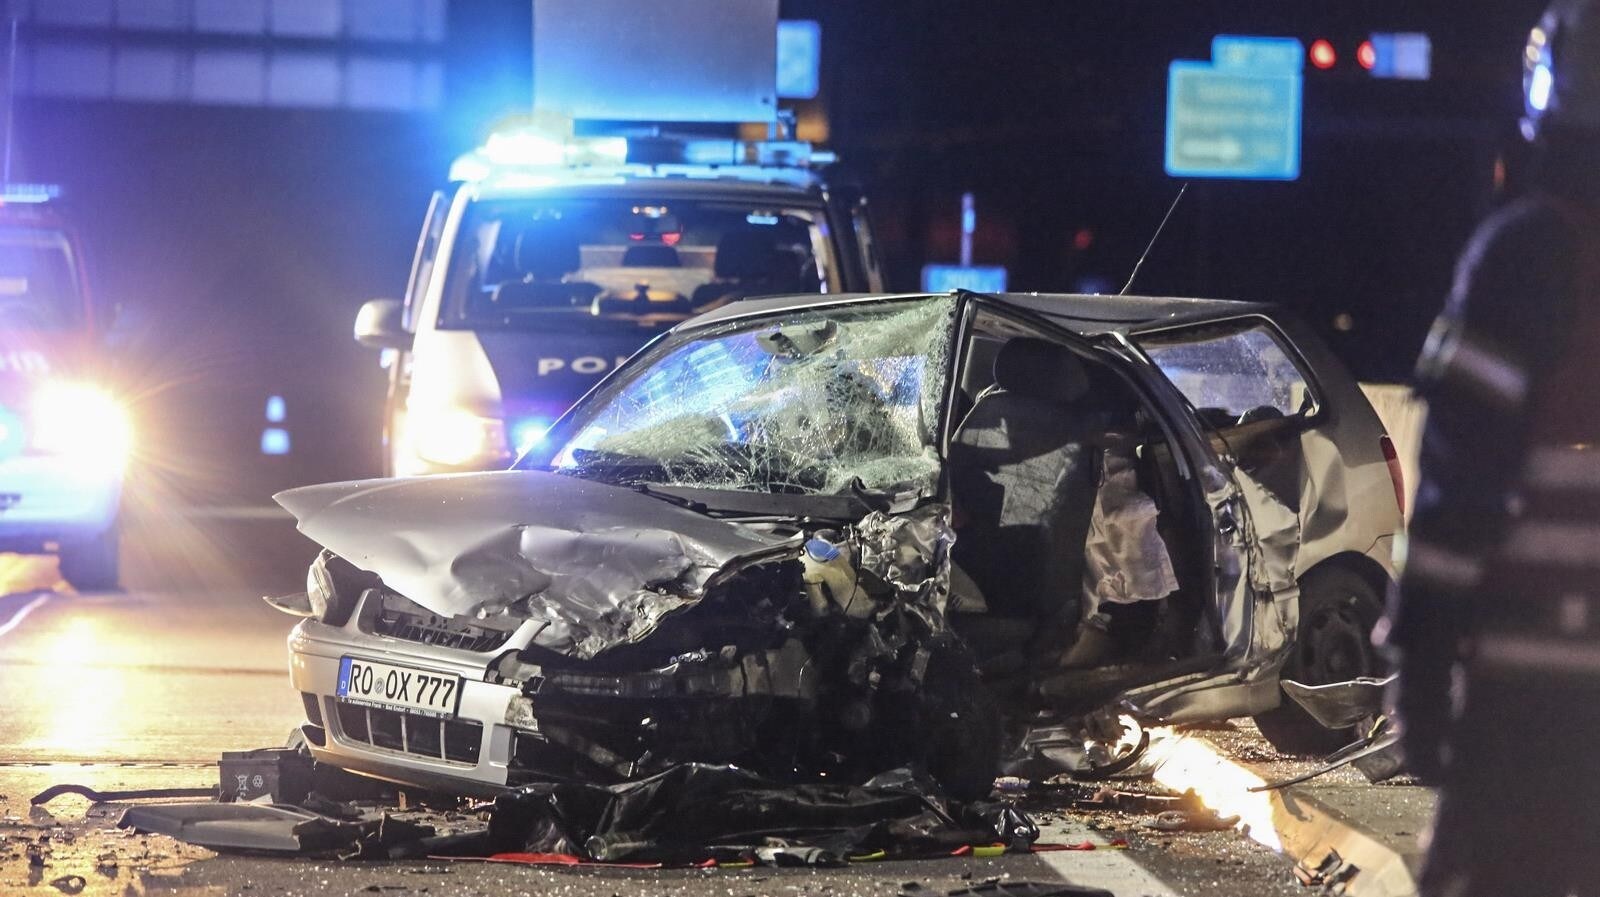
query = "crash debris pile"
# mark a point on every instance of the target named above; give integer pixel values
(689, 815)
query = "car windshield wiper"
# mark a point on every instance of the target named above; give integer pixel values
(699, 507)
(888, 501)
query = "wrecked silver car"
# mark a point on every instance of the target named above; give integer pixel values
(825, 536)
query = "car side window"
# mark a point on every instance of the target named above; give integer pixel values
(1235, 372)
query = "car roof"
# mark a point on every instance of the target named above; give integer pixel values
(1086, 313)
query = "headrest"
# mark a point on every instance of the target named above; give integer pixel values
(651, 255)
(1040, 369)
(547, 250)
(744, 254)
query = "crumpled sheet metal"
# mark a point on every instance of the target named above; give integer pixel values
(911, 553)
(270, 828)
(599, 564)
(1274, 571)
(1340, 705)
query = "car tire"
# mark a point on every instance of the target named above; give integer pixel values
(93, 565)
(961, 726)
(1338, 608)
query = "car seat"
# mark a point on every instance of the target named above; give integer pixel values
(651, 255)
(544, 253)
(749, 263)
(1024, 468)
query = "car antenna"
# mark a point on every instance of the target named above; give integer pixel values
(1156, 236)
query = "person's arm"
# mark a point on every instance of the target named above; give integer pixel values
(1504, 325)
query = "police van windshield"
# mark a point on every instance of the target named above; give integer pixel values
(38, 290)
(577, 262)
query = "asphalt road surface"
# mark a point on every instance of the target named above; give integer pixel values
(145, 688)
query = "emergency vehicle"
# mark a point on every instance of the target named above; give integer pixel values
(553, 260)
(625, 204)
(64, 436)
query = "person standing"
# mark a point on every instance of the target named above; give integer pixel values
(1496, 620)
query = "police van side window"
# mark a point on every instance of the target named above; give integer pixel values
(1232, 373)
(427, 253)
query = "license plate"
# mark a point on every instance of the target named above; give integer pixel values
(388, 685)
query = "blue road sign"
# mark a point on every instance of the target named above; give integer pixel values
(799, 58)
(977, 278)
(1233, 122)
(1280, 54)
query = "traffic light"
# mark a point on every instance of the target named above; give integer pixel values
(1396, 55)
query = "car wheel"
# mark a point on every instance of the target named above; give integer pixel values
(961, 726)
(1338, 608)
(92, 565)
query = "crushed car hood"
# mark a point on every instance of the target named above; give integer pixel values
(600, 564)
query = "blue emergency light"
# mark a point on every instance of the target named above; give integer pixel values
(526, 156)
(29, 194)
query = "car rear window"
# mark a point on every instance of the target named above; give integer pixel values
(1232, 370)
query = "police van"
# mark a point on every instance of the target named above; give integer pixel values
(554, 257)
(64, 436)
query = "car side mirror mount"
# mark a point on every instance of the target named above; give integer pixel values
(381, 325)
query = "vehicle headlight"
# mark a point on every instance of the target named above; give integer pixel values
(80, 420)
(454, 436)
(329, 602)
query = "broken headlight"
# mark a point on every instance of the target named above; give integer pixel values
(332, 600)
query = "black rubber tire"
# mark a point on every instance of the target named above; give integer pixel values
(961, 725)
(1338, 608)
(93, 565)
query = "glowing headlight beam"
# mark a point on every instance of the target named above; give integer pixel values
(79, 420)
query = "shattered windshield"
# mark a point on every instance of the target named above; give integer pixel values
(818, 401)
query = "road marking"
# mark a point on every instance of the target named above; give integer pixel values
(22, 613)
(1110, 868)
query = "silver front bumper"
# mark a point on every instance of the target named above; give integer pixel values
(414, 749)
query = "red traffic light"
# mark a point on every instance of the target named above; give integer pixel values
(1323, 56)
(1367, 55)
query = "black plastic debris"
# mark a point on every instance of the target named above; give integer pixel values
(284, 775)
(694, 812)
(55, 791)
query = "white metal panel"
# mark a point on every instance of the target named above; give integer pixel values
(669, 60)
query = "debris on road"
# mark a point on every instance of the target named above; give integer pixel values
(1332, 875)
(691, 814)
(695, 812)
(1202, 820)
(55, 791)
(1377, 755)
(69, 884)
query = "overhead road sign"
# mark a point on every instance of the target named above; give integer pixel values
(1281, 54)
(1236, 119)
(977, 278)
